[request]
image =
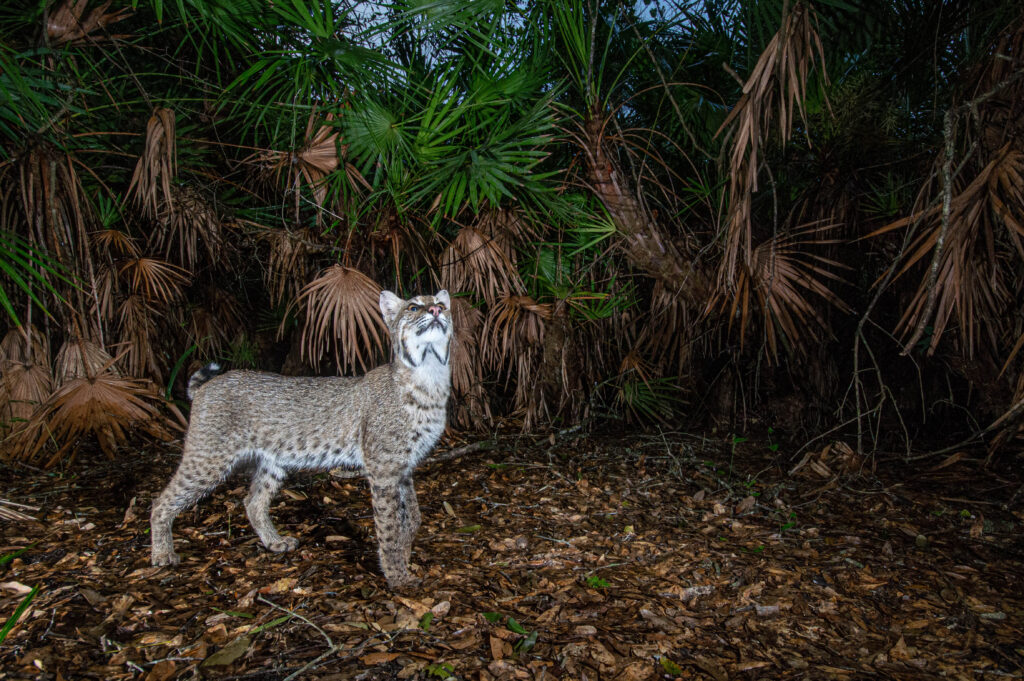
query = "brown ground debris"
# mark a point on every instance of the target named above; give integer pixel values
(590, 557)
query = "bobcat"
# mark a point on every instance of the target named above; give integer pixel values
(385, 423)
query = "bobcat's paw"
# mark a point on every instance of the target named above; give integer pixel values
(283, 545)
(164, 558)
(404, 584)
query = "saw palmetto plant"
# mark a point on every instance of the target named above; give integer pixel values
(630, 204)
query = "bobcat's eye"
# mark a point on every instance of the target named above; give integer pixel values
(440, 306)
(414, 308)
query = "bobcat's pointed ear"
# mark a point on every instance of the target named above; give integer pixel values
(443, 297)
(390, 305)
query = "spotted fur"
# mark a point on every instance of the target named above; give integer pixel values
(384, 423)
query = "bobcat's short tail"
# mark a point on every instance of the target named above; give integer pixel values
(202, 376)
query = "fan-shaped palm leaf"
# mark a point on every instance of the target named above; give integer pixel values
(155, 280)
(475, 262)
(776, 282)
(106, 406)
(80, 358)
(342, 316)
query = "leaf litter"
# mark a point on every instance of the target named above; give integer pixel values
(627, 557)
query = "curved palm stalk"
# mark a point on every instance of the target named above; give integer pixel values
(342, 315)
(475, 262)
(150, 186)
(775, 89)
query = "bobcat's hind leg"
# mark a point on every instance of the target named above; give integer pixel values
(265, 484)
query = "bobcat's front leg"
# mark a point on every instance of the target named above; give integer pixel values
(391, 539)
(410, 515)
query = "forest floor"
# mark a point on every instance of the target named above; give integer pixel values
(583, 557)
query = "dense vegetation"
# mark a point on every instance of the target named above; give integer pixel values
(810, 212)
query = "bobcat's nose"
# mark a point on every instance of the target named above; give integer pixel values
(435, 310)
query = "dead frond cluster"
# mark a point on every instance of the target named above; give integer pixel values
(189, 227)
(777, 280)
(25, 376)
(513, 340)
(471, 407)
(969, 284)
(477, 262)
(342, 315)
(68, 23)
(150, 187)
(308, 166)
(774, 91)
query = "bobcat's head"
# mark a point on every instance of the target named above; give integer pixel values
(421, 328)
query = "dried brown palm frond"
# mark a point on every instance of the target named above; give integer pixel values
(106, 291)
(68, 24)
(137, 333)
(471, 407)
(54, 202)
(408, 247)
(985, 228)
(506, 228)
(155, 280)
(342, 309)
(774, 90)
(288, 266)
(309, 165)
(114, 243)
(513, 324)
(776, 284)
(475, 262)
(513, 339)
(25, 378)
(106, 406)
(216, 323)
(669, 335)
(150, 187)
(25, 344)
(998, 81)
(191, 222)
(80, 358)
